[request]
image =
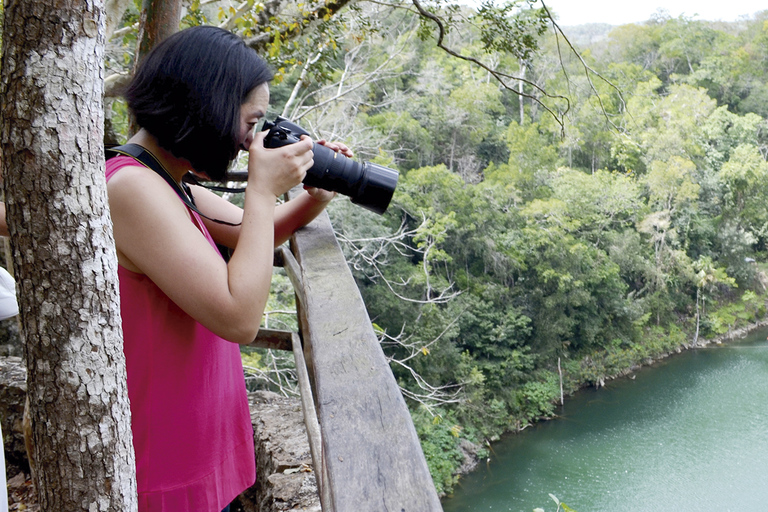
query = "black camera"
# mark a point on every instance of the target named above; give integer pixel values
(368, 185)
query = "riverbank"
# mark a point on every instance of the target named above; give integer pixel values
(473, 453)
(684, 434)
(731, 335)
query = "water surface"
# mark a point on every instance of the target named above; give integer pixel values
(688, 434)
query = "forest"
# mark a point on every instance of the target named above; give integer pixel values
(540, 243)
(573, 201)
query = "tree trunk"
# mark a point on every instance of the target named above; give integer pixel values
(520, 93)
(64, 254)
(698, 318)
(159, 19)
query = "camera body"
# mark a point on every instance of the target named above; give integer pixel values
(367, 184)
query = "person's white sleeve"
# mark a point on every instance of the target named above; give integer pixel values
(9, 307)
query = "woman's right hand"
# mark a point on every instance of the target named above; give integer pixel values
(277, 170)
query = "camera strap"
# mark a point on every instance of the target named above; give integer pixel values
(191, 178)
(145, 157)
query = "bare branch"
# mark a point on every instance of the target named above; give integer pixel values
(354, 82)
(502, 78)
(114, 85)
(301, 82)
(364, 260)
(279, 373)
(588, 71)
(123, 31)
(430, 396)
(229, 23)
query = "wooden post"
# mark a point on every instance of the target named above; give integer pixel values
(372, 456)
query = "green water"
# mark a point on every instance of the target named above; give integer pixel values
(688, 434)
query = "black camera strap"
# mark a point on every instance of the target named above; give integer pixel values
(146, 158)
(191, 178)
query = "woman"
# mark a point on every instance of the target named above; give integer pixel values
(197, 98)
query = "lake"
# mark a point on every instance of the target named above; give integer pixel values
(689, 433)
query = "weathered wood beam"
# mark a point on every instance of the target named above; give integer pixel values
(273, 339)
(373, 459)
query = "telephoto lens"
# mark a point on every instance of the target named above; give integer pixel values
(367, 184)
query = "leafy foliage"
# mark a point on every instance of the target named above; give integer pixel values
(517, 239)
(586, 248)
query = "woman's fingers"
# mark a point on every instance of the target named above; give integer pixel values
(339, 147)
(278, 169)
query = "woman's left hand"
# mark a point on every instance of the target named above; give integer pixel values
(320, 194)
(338, 147)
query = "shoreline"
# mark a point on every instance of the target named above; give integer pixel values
(733, 335)
(470, 450)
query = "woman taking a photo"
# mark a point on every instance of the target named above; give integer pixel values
(197, 97)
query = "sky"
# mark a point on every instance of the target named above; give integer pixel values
(617, 12)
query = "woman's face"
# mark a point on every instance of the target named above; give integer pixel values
(251, 112)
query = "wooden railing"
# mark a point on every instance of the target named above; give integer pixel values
(365, 450)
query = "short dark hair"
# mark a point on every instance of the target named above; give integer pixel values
(188, 91)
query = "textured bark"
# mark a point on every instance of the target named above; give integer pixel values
(63, 253)
(159, 19)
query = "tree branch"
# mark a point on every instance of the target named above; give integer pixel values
(396, 241)
(291, 30)
(587, 69)
(502, 78)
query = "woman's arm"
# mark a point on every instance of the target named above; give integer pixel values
(154, 236)
(289, 216)
(300, 211)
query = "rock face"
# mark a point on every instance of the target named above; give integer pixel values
(13, 392)
(471, 458)
(10, 342)
(285, 477)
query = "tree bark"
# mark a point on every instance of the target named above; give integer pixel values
(64, 254)
(159, 19)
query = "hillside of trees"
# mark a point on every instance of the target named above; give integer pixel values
(516, 244)
(546, 232)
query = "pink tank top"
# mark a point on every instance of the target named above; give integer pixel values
(191, 423)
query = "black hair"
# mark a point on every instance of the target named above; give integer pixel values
(188, 92)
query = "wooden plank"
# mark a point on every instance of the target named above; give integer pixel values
(310, 421)
(276, 340)
(373, 459)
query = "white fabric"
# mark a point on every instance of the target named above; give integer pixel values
(8, 305)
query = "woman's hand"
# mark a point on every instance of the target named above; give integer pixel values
(320, 194)
(338, 147)
(277, 170)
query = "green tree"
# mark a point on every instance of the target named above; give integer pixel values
(672, 197)
(744, 178)
(599, 202)
(531, 155)
(708, 277)
(669, 125)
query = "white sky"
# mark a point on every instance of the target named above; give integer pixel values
(617, 12)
